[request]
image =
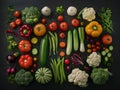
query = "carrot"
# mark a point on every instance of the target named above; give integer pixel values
(62, 53)
(62, 44)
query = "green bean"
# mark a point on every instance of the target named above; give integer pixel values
(50, 42)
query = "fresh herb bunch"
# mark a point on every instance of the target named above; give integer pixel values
(105, 19)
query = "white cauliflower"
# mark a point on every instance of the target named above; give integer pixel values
(94, 59)
(72, 11)
(78, 77)
(89, 14)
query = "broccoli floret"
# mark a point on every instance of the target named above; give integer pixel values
(100, 75)
(23, 77)
(30, 14)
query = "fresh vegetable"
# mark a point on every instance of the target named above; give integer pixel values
(43, 21)
(59, 9)
(62, 35)
(43, 50)
(31, 14)
(11, 78)
(34, 40)
(12, 57)
(23, 77)
(94, 59)
(69, 43)
(62, 44)
(39, 29)
(60, 18)
(93, 29)
(105, 19)
(57, 66)
(80, 13)
(106, 39)
(63, 26)
(76, 59)
(62, 54)
(100, 75)
(88, 14)
(25, 61)
(17, 14)
(67, 61)
(78, 77)
(72, 11)
(46, 11)
(24, 46)
(53, 40)
(10, 10)
(81, 36)
(75, 22)
(43, 75)
(25, 31)
(34, 51)
(12, 25)
(53, 26)
(18, 22)
(75, 40)
(11, 70)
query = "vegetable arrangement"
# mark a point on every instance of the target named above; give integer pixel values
(64, 51)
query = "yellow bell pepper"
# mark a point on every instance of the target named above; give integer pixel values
(93, 29)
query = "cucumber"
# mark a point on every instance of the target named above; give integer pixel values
(34, 51)
(43, 51)
(69, 43)
(75, 40)
(111, 48)
(103, 53)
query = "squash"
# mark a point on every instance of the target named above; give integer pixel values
(43, 75)
(93, 29)
(39, 29)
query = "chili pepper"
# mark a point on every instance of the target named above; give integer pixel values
(25, 31)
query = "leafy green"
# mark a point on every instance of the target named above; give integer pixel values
(30, 14)
(105, 19)
(100, 75)
(23, 77)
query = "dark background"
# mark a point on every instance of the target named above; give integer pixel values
(113, 83)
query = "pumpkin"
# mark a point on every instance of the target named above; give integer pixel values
(93, 29)
(43, 75)
(39, 29)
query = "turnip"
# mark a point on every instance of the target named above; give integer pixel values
(72, 11)
(46, 11)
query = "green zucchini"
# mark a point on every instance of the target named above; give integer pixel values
(43, 50)
(75, 40)
(69, 43)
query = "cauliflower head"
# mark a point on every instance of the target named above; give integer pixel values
(89, 14)
(94, 59)
(78, 77)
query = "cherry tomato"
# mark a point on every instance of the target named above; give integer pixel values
(63, 26)
(43, 21)
(18, 22)
(53, 26)
(93, 46)
(98, 43)
(75, 22)
(62, 35)
(17, 14)
(94, 49)
(12, 25)
(98, 47)
(67, 61)
(60, 18)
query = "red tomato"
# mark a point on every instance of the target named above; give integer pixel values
(63, 26)
(53, 26)
(43, 21)
(25, 61)
(17, 14)
(75, 22)
(60, 18)
(12, 25)
(62, 35)
(24, 46)
(18, 21)
(67, 61)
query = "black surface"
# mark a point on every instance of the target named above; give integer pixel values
(113, 83)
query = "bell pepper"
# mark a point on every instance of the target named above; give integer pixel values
(25, 61)
(24, 46)
(25, 31)
(93, 29)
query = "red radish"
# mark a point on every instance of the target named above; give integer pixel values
(8, 70)
(12, 70)
(67, 67)
(67, 61)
